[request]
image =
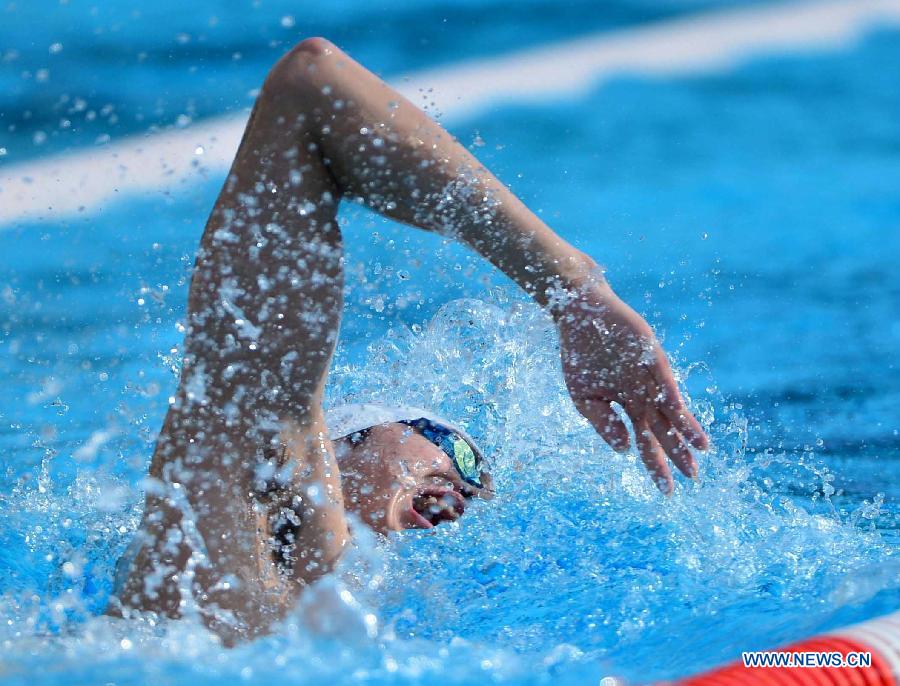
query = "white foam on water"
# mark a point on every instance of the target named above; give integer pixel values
(577, 566)
(82, 182)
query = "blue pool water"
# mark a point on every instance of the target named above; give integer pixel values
(79, 74)
(752, 216)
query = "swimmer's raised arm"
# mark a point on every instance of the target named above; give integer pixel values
(245, 505)
(386, 152)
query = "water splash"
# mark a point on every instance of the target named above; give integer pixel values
(577, 570)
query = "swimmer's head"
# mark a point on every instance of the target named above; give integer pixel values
(394, 478)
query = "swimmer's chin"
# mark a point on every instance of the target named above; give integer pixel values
(391, 518)
(401, 514)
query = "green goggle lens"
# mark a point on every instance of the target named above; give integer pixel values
(464, 459)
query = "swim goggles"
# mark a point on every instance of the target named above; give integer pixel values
(464, 459)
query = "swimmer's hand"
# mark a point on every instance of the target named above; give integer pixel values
(610, 354)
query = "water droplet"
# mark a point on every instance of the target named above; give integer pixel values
(287, 21)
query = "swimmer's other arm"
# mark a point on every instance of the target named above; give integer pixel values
(384, 151)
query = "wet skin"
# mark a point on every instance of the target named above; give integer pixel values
(393, 478)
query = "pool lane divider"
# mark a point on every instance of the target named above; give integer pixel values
(880, 637)
(162, 163)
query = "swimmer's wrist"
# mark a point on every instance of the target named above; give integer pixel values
(584, 279)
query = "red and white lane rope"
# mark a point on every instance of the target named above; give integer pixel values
(878, 638)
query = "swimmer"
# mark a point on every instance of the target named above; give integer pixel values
(251, 480)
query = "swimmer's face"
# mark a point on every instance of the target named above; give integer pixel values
(394, 478)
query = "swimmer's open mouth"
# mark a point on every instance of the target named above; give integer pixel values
(435, 505)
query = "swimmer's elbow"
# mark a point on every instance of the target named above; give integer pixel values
(314, 47)
(301, 64)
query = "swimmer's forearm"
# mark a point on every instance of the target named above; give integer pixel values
(385, 151)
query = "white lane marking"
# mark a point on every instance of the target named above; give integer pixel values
(82, 181)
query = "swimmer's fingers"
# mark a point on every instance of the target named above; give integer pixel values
(672, 443)
(672, 405)
(653, 457)
(605, 420)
